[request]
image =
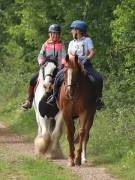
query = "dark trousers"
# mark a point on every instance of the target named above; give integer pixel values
(33, 80)
(95, 77)
(58, 81)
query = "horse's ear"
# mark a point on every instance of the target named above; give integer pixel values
(67, 58)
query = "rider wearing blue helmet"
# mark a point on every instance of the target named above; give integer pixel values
(82, 46)
(78, 24)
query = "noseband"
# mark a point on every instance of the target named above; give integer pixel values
(70, 85)
(50, 75)
(44, 76)
(75, 88)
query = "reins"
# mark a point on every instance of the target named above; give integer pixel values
(44, 65)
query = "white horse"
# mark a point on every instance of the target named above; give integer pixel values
(49, 128)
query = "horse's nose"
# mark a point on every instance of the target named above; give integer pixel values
(48, 87)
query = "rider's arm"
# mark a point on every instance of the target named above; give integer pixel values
(42, 55)
(63, 54)
(91, 51)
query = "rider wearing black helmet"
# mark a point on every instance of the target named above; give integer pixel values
(54, 28)
(52, 47)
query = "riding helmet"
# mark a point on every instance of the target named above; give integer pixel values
(54, 28)
(79, 24)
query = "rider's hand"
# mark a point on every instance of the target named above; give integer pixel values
(83, 59)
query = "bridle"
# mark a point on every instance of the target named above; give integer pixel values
(50, 75)
(74, 86)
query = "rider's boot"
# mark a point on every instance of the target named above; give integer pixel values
(28, 103)
(52, 99)
(100, 104)
(57, 83)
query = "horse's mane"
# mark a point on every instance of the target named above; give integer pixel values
(73, 62)
(52, 59)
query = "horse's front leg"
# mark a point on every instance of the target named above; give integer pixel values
(43, 140)
(70, 136)
(86, 138)
(56, 151)
(83, 120)
(57, 132)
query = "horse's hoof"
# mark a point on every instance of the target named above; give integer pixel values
(71, 163)
(84, 161)
(49, 157)
(77, 162)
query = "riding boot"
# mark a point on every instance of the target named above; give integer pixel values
(52, 99)
(100, 103)
(57, 83)
(28, 103)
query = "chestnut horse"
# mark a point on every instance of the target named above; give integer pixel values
(77, 99)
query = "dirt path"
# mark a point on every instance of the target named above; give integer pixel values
(23, 147)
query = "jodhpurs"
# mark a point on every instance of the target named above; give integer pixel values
(95, 77)
(58, 81)
(33, 80)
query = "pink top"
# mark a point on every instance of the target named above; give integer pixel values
(50, 48)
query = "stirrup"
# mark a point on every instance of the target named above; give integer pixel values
(51, 100)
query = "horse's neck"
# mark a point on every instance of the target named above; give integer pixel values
(40, 76)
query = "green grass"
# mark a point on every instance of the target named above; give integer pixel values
(23, 123)
(33, 169)
(126, 166)
(26, 168)
(112, 142)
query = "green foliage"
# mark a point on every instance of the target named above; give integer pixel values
(116, 129)
(111, 24)
(123, 35)
(125, 168)
(123, 25)
(27, 24)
